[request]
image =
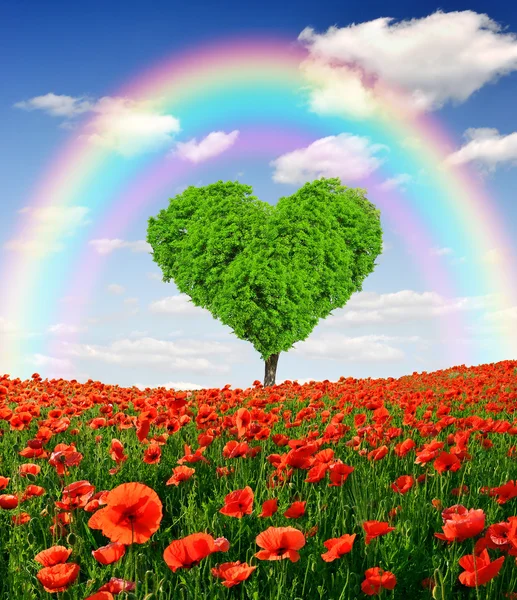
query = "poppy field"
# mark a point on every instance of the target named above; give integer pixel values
(390, 488)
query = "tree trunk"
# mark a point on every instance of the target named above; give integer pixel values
(270, 374)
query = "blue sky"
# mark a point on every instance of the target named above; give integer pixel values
(130, 334)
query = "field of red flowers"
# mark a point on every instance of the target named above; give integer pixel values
(398, 488)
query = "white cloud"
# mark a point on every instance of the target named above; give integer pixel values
(364, 348)
(57, 105)
(123, 125)
(115, 288)
(441, 251)
(6, 326)
(441, 58)
(176, 305)
(63, 329)
(504, 315)
(107, 246)
(138, 334)
(397, 182)
(370, 307)
(47, 225)
(494, 256)
(213, 144)
(487, 147)
(129, 127)
(346, 156)
(154, 276)
(172, 385)
(185, 354)
(37, 248)
(41, 360)
(131, 301)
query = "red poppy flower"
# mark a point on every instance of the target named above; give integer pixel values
(117, 451)
(378, 453)
(192, 457)
(403, 484)
(242, 420)
(279, 543)
(505, 492)
(8, 501)
(269, 508)
(404, 447)
(59, 577)
(101, 596)
(238, 503)
(338, 547)
(29, 469)
(339, 473)
(317, 473)
(375, 529)
(478, 569)
(296, 510)
(116, 586)
(233, 573)
(376, 579)
(189, 551)
(132, 514)
(234, 449)
(76, 495)
(4, 482)
(180, 474)
(143, 428)
(462, 526)
(152, 454)
(65, 456)
(53, 556)
(31, 491)
(21, 518)
(447, 462)
(109, 554)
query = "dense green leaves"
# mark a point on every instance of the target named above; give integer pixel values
(268, 272)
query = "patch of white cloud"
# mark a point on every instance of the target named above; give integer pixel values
(125, 126)
(47, 225)
(187, 355)
(155, 276)
(503, 316)
(372, 308)
(115, 288)
(64, 329)
(349, 157)
(494, 256)
(367, 348)
(129, 127)
(421, 63)
(487, 147)
(213, 144)
(7, 326)
(57, 105)
(176, 305)
(107, 246)
(399, 182)
(441, 251)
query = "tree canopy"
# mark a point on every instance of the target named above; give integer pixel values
(268, 272)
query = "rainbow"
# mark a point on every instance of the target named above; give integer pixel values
(254, 85)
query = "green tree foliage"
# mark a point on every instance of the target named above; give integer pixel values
(268, 272)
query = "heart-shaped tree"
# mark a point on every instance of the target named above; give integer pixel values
(268, 272)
